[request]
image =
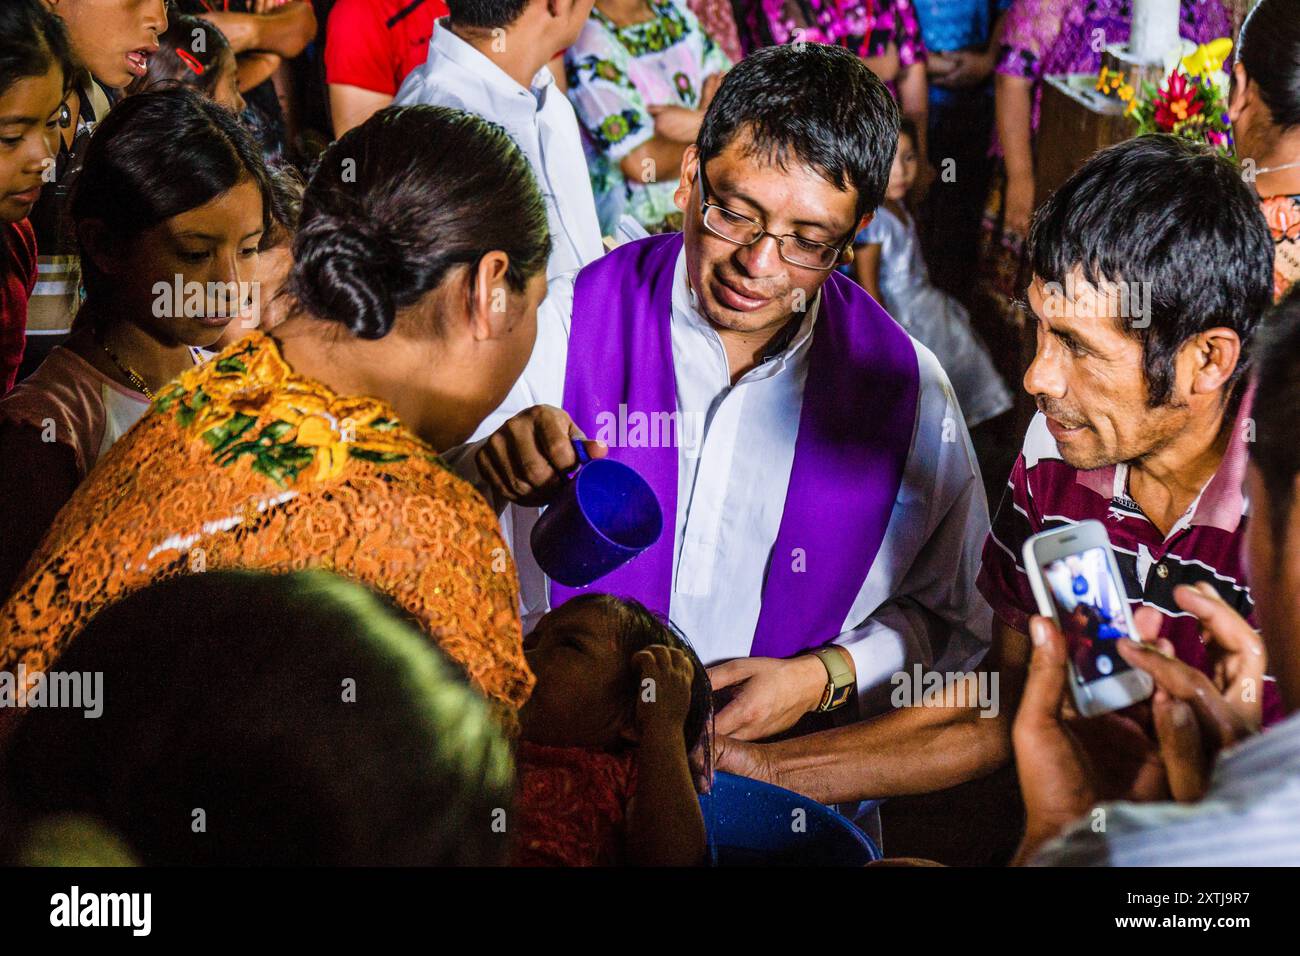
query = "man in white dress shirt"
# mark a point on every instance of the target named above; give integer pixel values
(489, 57)
(824, 511)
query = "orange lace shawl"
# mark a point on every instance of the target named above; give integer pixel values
(240, 463)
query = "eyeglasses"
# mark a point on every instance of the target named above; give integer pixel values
(743, 231)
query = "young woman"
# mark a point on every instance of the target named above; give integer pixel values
(419, 264)
(163, 258)
(36, 70)
(194, 52)
(1265, 111)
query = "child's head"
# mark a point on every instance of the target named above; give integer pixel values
(903, 173)
(268, 307)
(193, 52)
(587, 686)
(113, 39)
(143, 230)
(36, 70)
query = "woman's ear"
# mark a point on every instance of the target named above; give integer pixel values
(489, 296)
(97, 242)
(1240, 93)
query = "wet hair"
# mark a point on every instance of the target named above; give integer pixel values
(226, 691)
(812, 103)
(190, 53)
(130, 179)
(32, 39)
(485, 14)
(1269, 49)
(1175, 215)
(637, 628)
(401, 199)
(1275, 451)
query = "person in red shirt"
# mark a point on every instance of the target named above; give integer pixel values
(36, 70)
(370, 46)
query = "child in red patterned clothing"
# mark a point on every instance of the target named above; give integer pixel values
(604, 768)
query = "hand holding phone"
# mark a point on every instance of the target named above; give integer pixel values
(1076, 583)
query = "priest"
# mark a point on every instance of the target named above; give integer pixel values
(823, 521)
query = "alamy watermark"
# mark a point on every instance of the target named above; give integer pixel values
(53, 689)
(927, 688)
(624, 429)
(234, 300)
(1121, 300)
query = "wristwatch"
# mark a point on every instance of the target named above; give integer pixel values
(840, 681)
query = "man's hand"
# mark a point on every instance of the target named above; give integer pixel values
(1196, 717)
(1069, 764)
(967, 68)
(526, 459)
(663, 689)
(773, 694)
(744, 759)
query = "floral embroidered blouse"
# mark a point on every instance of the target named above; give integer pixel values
(241, 463)
(1283, 216)
(615, 75)
(865, 26)
(1045, 37)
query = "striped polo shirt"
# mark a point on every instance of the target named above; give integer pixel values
(1205, 544)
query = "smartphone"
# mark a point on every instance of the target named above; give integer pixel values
(1077, 584)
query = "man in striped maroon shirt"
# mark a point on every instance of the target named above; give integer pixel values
(1140, 379)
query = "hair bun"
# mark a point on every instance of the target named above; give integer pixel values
(342, 267)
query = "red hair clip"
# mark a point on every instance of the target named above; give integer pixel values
(189, 60)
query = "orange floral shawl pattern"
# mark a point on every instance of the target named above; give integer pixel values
(240, 463)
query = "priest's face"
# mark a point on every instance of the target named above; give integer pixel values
(751, 289)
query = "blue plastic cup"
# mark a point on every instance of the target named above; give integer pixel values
(604, 517)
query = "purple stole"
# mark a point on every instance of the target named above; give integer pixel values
(855, 433)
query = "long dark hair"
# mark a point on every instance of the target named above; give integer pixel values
(32, 39)
(398, 201)
(157, 155)
(1269, 49)
(189, 54)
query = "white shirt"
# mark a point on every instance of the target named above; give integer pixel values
(1250, 816)
(918, 602)
(541, 122)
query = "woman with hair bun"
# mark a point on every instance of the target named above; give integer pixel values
(1264, 107)
(419, 263)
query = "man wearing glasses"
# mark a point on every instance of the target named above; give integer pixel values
(823, 509)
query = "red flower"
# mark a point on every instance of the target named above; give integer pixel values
(1177, 101)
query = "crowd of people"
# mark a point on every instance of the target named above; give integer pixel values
(309, 311)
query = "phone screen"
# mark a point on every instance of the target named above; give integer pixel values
(1090, 611)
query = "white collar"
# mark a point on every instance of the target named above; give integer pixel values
(445, 43)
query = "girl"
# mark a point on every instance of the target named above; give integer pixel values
(36, 72)
(887, 262)
(621, 702)
(193, 52)
(143, 233)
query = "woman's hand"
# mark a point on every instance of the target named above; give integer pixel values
(1019, 204)
(677, 123)
(709, 89)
